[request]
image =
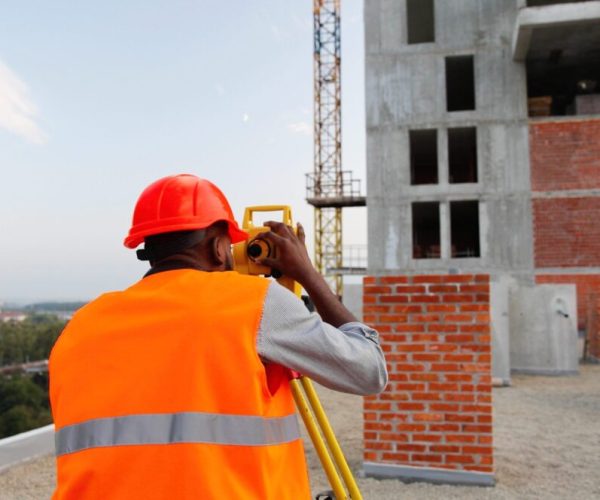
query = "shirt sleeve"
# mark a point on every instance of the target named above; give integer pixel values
(347, 359)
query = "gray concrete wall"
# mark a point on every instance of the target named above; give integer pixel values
(405, 89)
(500, 318)
(543, 330)
(353, 299)
(26, 446)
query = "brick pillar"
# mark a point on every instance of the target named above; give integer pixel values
(434, 420)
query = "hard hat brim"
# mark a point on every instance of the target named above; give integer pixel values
(135, 239)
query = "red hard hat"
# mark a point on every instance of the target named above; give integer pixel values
(181, 202)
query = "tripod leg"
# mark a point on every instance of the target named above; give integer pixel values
(332, 442)
(317, 439)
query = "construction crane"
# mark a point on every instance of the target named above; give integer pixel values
(329, 188)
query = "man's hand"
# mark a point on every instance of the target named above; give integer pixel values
(291, 257)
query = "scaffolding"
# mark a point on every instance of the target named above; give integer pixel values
(329, 189)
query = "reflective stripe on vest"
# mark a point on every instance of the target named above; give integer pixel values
(169, 428)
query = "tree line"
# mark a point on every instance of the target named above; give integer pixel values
(28, 340)
(53, 306)
(24, 401)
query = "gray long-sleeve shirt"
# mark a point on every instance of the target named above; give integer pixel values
(347, 359)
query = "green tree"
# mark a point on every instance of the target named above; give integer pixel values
(24, 398)
(21, 418)
(23, 405)
(29, 340)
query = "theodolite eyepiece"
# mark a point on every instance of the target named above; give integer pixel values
(258, 249)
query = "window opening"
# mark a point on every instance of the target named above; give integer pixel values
(464, 229)
(423, 157)
(462, 155)
(460, 83)
(539, 3)
(426, 230)
(420, 21)
(563, 82)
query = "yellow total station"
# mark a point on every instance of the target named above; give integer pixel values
(247, 252)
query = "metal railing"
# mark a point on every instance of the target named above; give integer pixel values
(354, 256)
(324, 186)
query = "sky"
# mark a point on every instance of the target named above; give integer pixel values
(99, 99)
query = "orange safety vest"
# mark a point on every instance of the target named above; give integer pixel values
(158, 392)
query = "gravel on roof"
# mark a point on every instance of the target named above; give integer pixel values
(546, 440)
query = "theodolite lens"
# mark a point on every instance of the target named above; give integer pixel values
(259, 249)
(254, 250)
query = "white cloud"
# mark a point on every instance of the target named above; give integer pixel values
(17, 111)
(245, 117)
(303, 128)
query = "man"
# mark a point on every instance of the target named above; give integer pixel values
(174, 387)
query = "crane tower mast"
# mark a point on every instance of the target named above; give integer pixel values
(329, 188)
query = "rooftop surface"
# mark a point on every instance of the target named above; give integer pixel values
(547, 437)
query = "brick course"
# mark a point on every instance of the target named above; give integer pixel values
(566, 232)
(565, 154)
(437, 408)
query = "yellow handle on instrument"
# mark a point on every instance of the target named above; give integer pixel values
(250, 211)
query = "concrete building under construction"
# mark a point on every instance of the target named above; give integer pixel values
(483, 170)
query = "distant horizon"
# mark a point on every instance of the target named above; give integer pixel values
(21, 302)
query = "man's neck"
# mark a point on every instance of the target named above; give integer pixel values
(176, 262)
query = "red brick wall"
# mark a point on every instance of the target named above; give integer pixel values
(593, 334)
(437, 408)
(588, 286)
(566, 232)
(565, 155)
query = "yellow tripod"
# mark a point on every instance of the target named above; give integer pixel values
(307, 401)
(323, 438)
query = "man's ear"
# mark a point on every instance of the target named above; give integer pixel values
(218, 248)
